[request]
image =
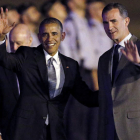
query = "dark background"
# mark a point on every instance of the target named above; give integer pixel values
(133, 7)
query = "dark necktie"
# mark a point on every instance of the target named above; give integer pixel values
(115, 61)
(51, 77)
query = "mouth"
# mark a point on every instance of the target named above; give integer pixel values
(50, 44)
(112, 33)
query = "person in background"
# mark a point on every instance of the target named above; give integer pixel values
(101, 42)
(119, 78)
(31, 17)
(9, 87)
(54, 8)
(78, 44)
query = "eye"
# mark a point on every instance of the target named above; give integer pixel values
(54, 33)
(105, 22)
(44, 35)
(114, 20)
(19, 43)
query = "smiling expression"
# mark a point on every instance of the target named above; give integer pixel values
(116, 26)
(50, 36)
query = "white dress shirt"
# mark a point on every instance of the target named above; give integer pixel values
(60, 77)
(119, 50)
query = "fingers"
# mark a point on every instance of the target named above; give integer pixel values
(130, 46)
(12, 25)
(6, 13)
(123, 52)
(2, 14)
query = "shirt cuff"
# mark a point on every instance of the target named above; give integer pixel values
(1, 42)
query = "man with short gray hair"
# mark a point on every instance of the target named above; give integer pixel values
(119, 79)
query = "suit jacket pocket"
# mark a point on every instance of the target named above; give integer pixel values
(24, 113)
(133, 114)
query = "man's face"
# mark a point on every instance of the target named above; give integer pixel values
(33, 14)
(13, 16)
(95, 9)
(80, 4)
(18, 39)
(116, 27)
(58, 11)
(50, 36)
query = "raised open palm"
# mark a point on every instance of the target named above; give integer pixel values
(131, 52)
(4, 26)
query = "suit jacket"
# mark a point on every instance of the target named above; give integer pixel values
(8, 97)
(119, 104)
(34, 103)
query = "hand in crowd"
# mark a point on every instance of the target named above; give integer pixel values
(131, 52)
(4, 26)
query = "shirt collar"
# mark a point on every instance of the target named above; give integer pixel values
(56, 57)
(124, 40)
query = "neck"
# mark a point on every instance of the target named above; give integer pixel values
(80, 12)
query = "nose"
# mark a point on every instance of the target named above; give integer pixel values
(49, 38)
(110, 26)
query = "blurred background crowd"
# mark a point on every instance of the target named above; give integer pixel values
(85, 42)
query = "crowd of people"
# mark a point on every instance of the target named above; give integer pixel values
(48, 96)
(82, 23)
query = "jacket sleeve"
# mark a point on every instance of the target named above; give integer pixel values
(82, 92)
(12, 61)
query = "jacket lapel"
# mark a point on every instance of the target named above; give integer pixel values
(41, 62)
(106, 65)
(65, 68)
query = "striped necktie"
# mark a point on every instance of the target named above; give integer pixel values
(51, 77)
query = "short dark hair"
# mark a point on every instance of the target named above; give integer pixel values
(46, 7)
(120, 7)
(49, 21)
(9, 7)
(24, 6)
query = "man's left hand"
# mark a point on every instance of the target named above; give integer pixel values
(131, 52)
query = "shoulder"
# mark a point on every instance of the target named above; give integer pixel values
(106, 54)
(135, 41)
(26, 49)
(67, 59)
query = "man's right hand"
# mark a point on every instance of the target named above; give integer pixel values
(4, 27)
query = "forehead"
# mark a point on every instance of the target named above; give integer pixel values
(112, 14)
(50, 27)
(18, 37)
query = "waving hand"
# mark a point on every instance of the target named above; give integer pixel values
(4, 26)
(131, 52)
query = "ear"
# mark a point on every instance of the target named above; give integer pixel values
(127, 20)
(63, 36)
(39, 37)
(30, 41)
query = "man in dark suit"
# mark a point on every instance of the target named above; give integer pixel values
(46, 80)
(119, 79)
(20, 35)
